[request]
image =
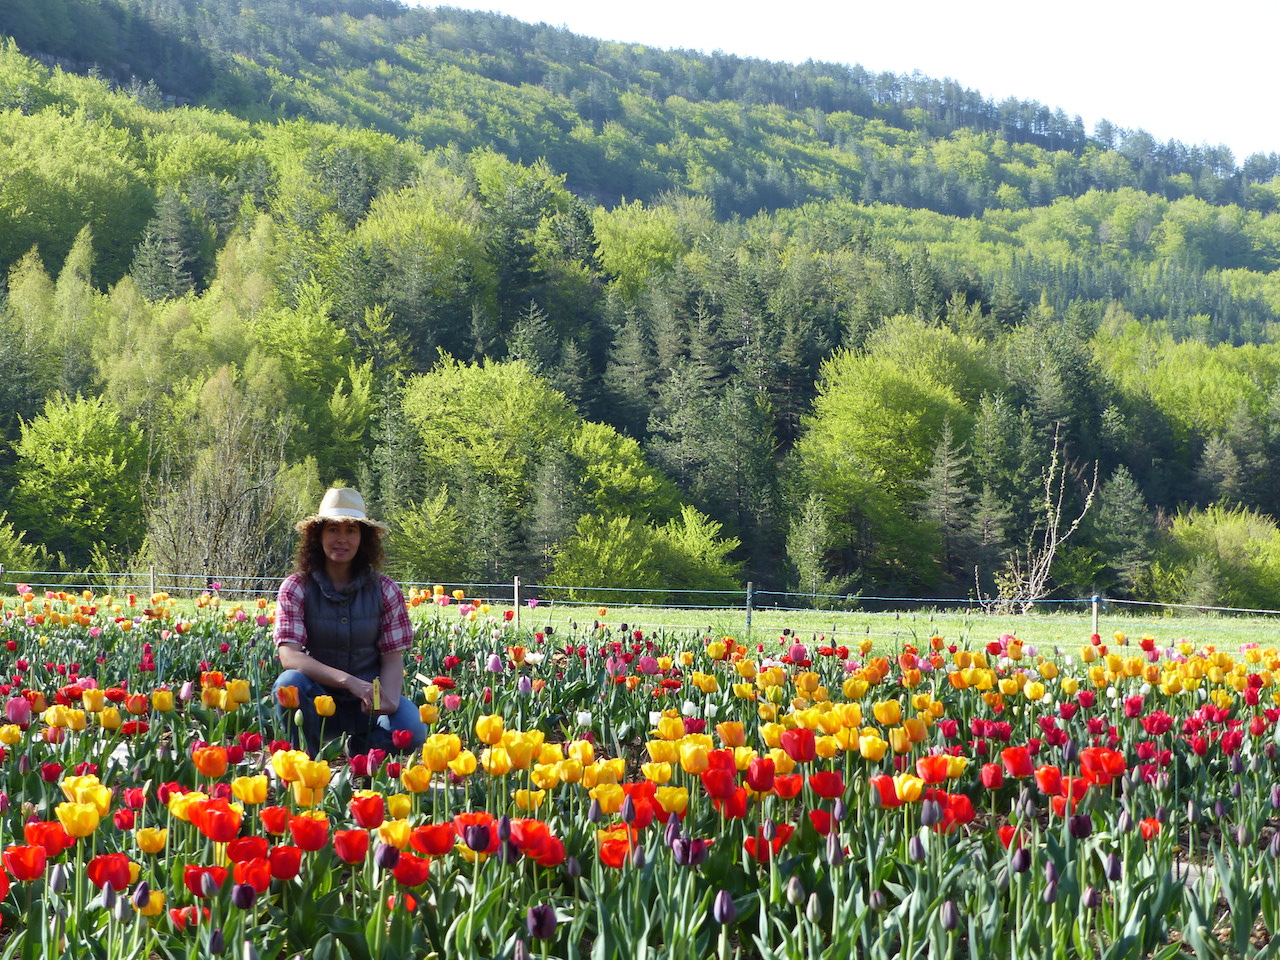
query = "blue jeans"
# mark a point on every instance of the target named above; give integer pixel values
(348, 718)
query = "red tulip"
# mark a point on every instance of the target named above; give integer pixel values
(821, 820)
(1049, 780)
(760, 774)
(368, 811)
(1100, 765)
(351, 846)
(25, 862)
(193, 877)
(932, 769)
(887, 790)
(1017, 761)
(719, 784)
(48, 834)
(762, 850)
(411, 871)
(734, 806)
(275, 819)
(829, 784)
(255, 872)
(309, 833)
(787, 786)
(247, 848)
(800, 744)
(285, 861)
(1149, 827)
(992, 776)
(216, 819)
(434, 839)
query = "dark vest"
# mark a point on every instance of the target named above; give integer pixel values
(343, 625)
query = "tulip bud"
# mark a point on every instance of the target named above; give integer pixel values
(522, 951)
(245, 895)
(1275, 796)
(58, 877)
(141, 894)
(637, 858)
(1050, 871)
(385, 856)
(1193, 809)
(1162, 813)
(672, 833)
(123, 911)
(1020, 862)
(573, 868)
(1050, 894)
(1125, 822)
(930, 813)
(524, 686)
(1070, 751)
(769, 830)
(1081, 825)
(795, 891)
(723, 910)
(504, 828)
(877, 901)
(1244, 836)
(915, 850)
(1273, 847)
(594, 813)
(1112, 867)
(813, 909)
(950, 915)
(541, 921)
(835, 849)
(476, 837)
(1091, 898)
(1235, 789)
(108, 897)
(628, 811)
(839, 811)
(1237, 764)
(1221, 808)
(217, 942)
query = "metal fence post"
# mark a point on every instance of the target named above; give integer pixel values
(750, 597)
(1096, 601)
(515, 600)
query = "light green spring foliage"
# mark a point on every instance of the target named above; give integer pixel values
(79, 474)
(1221, 556)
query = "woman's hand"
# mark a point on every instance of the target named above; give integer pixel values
(362, 689)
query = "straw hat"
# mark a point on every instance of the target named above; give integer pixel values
(341, 503)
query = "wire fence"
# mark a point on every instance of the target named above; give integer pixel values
(838, 615)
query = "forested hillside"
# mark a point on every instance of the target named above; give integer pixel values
(594, 313)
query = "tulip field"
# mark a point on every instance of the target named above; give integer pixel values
(603, 793)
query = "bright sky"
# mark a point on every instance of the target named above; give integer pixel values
(1199, 73)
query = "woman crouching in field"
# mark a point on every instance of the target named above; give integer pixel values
(339, 625)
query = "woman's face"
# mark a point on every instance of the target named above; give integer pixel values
(340, 539)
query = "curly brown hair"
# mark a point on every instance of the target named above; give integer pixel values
(310, 556)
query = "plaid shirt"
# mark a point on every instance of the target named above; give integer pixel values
(396, 634)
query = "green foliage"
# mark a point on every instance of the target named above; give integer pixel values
(429, 542)
(1220, 556)
(79, 473)
(15, 552)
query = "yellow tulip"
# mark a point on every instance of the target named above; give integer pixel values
(10, 734)
(582, 751)
(496, 761)
(399, 806)
(109, 718)
(151, 839)
(529, 799)
(663, 751)
(464, 764)
(93, 699)
(489, 728)
(325, 706)
(162, 700)
(78, 819)
(545, 776)
(155, 900)
(395, 833)
(570, 770)
(693, 758)
(872, 747)
(672, 799)
(656, 772)
(609, 796)
(416, 778)
(731, 733)
(670, 728)
(251, 790)
(887, 712)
